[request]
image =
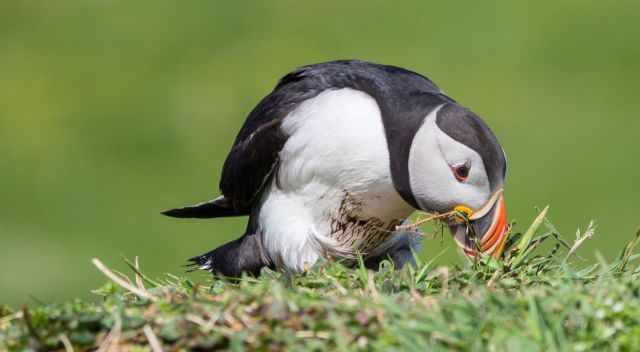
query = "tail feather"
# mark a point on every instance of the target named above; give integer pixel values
(215, 208)
(243, 255)
(200, 262)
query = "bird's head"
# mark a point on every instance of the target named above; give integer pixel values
(456, 163)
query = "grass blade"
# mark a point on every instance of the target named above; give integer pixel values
(528, 236)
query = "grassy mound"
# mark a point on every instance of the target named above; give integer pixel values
(526, 301)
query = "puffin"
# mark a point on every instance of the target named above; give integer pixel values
(336, 158)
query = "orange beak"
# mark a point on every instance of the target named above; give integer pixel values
(487, 234)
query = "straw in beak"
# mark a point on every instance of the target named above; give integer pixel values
(486, 230)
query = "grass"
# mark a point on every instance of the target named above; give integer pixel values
(112, 111)
(539, 296)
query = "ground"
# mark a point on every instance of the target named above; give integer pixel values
(537, 297)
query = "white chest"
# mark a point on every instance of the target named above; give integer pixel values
(333, 188)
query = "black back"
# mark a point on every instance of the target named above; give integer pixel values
(404, 98)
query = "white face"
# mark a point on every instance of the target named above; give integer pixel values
(443, 172)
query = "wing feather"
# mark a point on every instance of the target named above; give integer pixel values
(253, 158)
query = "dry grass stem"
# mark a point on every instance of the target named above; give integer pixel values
(112, 340)
(307, 334)
(139, 279)
(111, 275)
(580, 239)
(154, 343)
(68, 347)
(431, 217)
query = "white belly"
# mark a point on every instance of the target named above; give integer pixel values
(334, 170)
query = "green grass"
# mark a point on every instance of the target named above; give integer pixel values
(539, 296)
(112, 111)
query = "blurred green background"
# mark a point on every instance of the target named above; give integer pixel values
(111, 111)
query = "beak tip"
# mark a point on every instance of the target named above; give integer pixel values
(494, 239)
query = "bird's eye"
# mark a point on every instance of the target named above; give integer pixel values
(461, 171)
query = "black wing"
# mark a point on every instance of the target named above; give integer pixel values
(253, 159)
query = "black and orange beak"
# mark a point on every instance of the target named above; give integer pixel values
(485, 231)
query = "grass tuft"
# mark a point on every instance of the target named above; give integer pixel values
(533, 298)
